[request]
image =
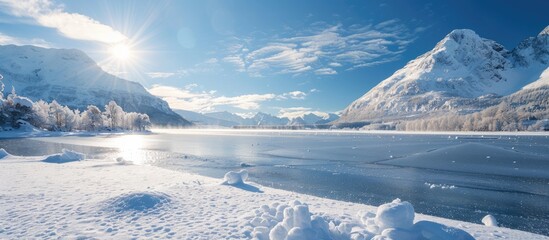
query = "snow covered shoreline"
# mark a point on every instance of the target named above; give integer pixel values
(343, 131)
(105, 199)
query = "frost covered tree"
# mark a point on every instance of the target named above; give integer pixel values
(92, 119)
(115, 115)
(40, 115)
(54, 117)
(14, 109)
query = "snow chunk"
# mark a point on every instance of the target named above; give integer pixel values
(288, 221)
(393, 221)
(490, 221)
(140, 201)
(235, 178)
(3, 153)
(66, 156)
(396, 214)
(441, 186)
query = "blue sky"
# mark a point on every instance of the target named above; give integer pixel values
(279, 57)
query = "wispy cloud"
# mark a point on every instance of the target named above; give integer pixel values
(325, 71)
(208, 65)
(6, 40)
(72, 25)
(322, 50)
(201, 101)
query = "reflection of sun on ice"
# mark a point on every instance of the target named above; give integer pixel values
(130, 147)
(121, 52)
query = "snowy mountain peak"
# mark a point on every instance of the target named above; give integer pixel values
(461, 35)
(462, 68)
(544, 32)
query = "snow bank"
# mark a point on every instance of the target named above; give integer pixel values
(235, 178)
(3, 153)
(394, 220)
(140, 201)
(66, 156)
(94, 200)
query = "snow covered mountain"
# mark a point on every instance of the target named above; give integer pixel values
(264, 119)
(202, 119)
(227, 119)
(72, 78)
(463, 73)
(230, 117)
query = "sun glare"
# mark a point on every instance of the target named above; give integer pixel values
(121, 52)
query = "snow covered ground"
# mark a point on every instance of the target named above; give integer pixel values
(102, 198)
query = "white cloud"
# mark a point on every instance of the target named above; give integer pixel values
(71, 25)
(185, 98)
(322, 49)
(237, 62)
(297, 95)
(325, 71)
(206, 101)
(6, 40)
(160, 74)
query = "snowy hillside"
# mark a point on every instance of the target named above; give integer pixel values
(71, 78)
(463, 73)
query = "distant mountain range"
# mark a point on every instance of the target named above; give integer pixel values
(227, 119)
(463, 74)
(72, 78)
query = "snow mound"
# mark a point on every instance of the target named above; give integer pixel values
(65, 156)
(394, 220)
(123, 161)
(490, 221)
(396, 214)
(235, 178)
(140, 201)
(3, 153)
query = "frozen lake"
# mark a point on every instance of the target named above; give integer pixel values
(461, 177)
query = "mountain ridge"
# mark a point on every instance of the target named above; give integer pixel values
(462, 73)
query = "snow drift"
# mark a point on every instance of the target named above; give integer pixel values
(65, 156)
(3, 153)
(138, 201)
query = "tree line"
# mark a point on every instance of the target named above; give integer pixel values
(16, 111)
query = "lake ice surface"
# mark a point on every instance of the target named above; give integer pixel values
(463, 177)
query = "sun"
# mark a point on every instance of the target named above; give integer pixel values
(121, 52)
